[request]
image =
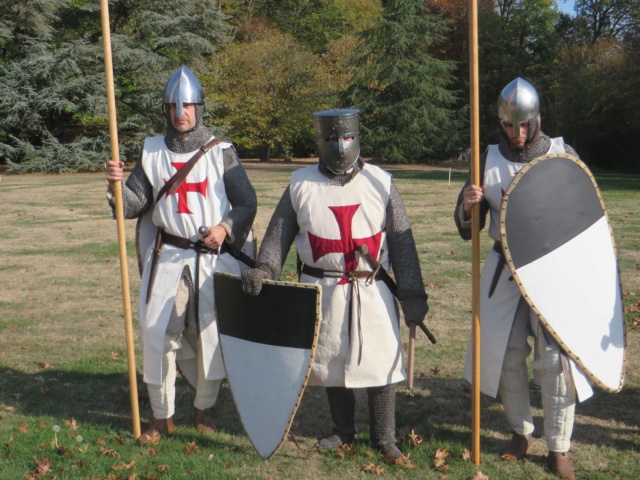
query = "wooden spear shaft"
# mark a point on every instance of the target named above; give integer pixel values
(475, 229)
(116, 187)
(412, 351)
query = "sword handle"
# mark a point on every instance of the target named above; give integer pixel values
(204, 231)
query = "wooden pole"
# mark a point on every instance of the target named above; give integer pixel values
(412, 351)
(475, 229)
(122, 244)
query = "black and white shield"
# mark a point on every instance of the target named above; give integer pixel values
(558, 243)
(268, 342)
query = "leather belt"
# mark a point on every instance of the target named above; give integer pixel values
(351, 277)
(186, 244)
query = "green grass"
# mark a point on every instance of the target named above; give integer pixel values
(63, 356)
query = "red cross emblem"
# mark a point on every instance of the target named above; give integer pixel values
(346, 244)
(186, 187)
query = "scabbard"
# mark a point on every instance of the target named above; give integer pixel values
(154, 263)
(496, 275)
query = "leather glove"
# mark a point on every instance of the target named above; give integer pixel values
(252, 280)
(415, 310)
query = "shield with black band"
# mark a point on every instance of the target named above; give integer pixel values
(268, 343)
(557, 240)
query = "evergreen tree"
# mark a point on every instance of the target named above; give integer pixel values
(408, 114)
(52, 79)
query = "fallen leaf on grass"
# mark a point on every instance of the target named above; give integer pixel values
(43, 468)
(150, 451)
(414, 438)
(466, 455)
(191, 449)
(62, 450)
(23, 428)
(43, 365)
(371, 468)
(110, 452)
(480, 476)
(124, 466)
(439, 457)
(71, 424)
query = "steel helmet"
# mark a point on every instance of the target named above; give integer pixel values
(518, 102)
(338, 133)
(183, 87)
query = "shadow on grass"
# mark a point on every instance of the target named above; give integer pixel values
(440, 409)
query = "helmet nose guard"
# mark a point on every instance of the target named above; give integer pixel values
(518, 102)
(338, 133)
(183, 87)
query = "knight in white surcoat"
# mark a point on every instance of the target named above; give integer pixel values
(330, 210)
(187, 231)
(506, 319)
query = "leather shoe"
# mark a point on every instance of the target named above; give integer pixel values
(517, 448)
(559, 464)
(157, 428)
(204, 422)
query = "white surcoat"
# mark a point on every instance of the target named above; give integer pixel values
(497, 313)
(201, 200)
(333, 221)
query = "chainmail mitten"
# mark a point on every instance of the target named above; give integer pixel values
(415, 310)
(252, 280)
(342, 404)
(382, 417)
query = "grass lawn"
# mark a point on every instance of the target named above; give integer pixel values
(64, 393)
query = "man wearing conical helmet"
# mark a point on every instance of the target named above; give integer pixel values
(507, 320)
(197, 224)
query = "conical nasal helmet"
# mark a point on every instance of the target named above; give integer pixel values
(338, 133)
(183, 87)
(518, 102)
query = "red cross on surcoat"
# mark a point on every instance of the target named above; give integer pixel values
(185, 187)
(346, 244)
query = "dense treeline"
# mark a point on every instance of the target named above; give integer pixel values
(267, 64)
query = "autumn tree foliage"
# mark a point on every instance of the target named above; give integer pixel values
(408, 112)
(267, 88)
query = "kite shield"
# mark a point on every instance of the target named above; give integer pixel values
(268, 342)
(558, 243)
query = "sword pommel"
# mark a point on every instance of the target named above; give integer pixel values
(204, 231)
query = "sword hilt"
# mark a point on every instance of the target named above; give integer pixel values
(204, 231)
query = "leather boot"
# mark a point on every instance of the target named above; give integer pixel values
(204, 421)
(517, 448)
(559, 464)
(157, 429)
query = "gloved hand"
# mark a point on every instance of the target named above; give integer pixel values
(415, 310)
(252, 280)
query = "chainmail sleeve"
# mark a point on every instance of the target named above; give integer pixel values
(137, 194)
(571, 151)
(464, 228)
(280, 234)
(242, 197)
(402, 249)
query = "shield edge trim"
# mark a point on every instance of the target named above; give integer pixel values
(507, 255)
(316, 336)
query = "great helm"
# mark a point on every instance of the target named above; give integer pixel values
(518, 102)
(338, 133)
(183, 87)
